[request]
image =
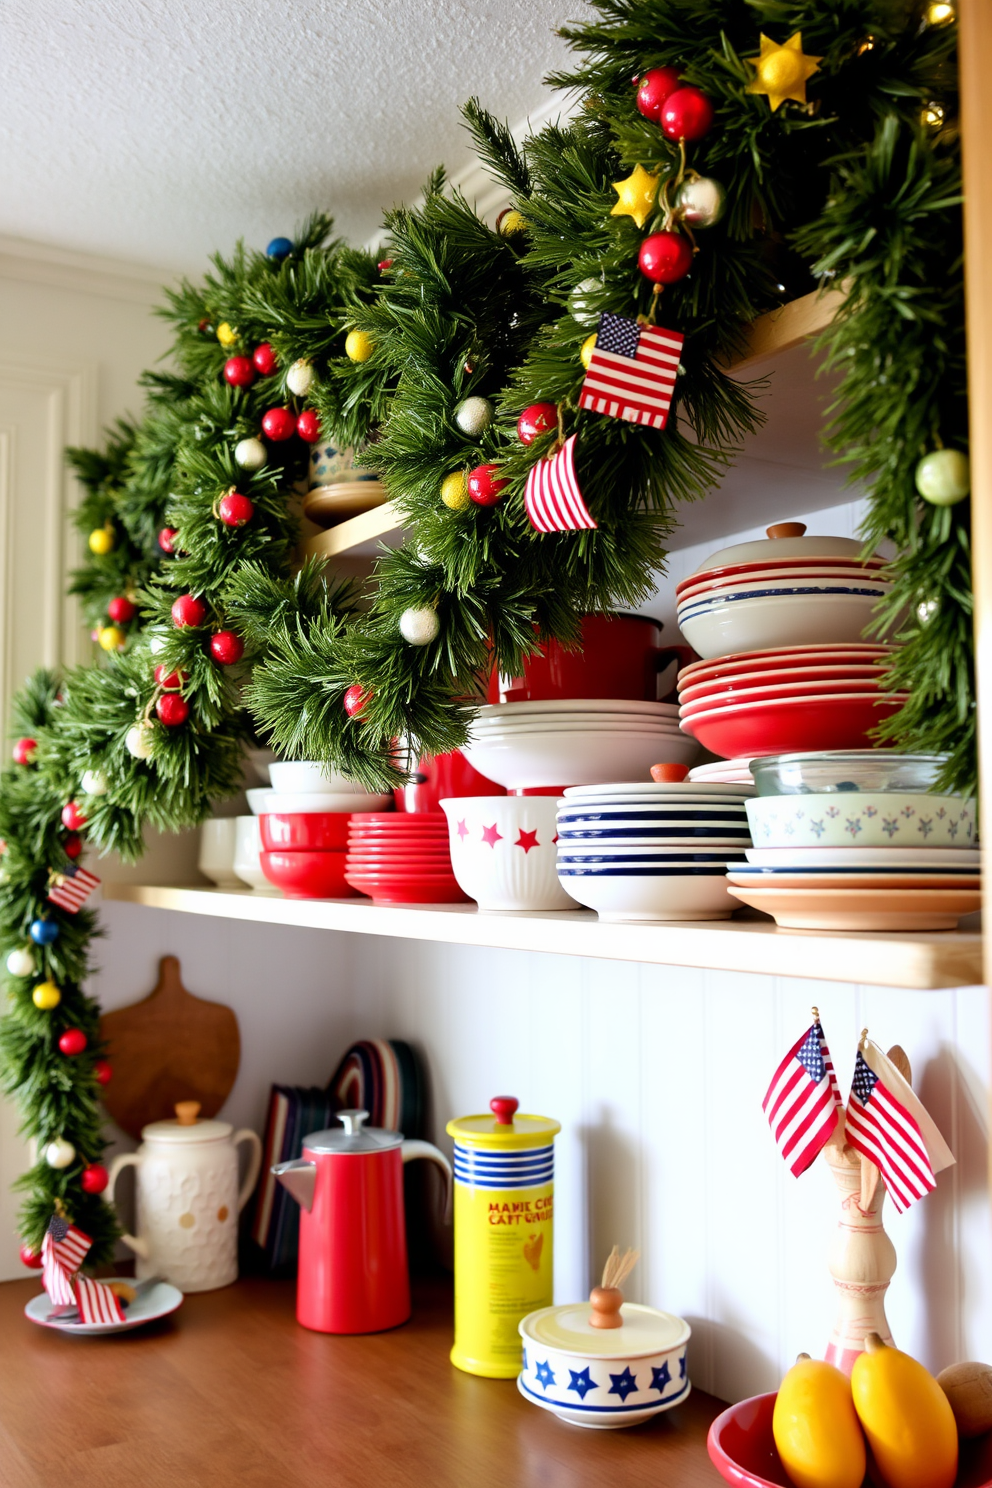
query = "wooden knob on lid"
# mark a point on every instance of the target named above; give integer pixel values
(786, 529)
(606, 1304)
(668, 774)
(504, 1108)
(187, 1112)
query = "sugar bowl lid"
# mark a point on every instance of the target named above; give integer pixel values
(643, 1331)
(187, 1127)
(353, 1136)
(784, 540)
(504, 1127)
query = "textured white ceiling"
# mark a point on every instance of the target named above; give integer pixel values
(160, 130)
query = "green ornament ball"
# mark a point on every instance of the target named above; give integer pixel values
(943, 477)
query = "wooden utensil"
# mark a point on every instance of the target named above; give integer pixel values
(169, 1047)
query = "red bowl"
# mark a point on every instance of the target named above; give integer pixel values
(742, 568)
(317, 831)
(791, 725)
(742, 1449)
(621, 656)
(409, 890)
(308, 875)
(848, 687)
(691, 691)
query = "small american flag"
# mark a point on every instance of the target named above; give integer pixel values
(632, 372)
(72, 887)
(63, 1251)
(887, 1124)
(97, 1303)
(803, 1102)
(552, 497)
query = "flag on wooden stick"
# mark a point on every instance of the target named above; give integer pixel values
(889, 1125)
(71, 887)
(803, 1102)
(632, 372)
(552, 496)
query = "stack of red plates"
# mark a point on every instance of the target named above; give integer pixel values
(400, 858)
(787, 700)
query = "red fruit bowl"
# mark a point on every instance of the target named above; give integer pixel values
(742, 1449)
(318, 831)
(308, 875)
(792, 725)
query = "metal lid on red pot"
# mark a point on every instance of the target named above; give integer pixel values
(353, 1136)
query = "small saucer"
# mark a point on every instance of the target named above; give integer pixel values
(148, 1307)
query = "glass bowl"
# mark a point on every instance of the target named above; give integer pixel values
(847, 770)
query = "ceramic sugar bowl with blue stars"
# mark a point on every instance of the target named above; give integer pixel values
(605, 1362)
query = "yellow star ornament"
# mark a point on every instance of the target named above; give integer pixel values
(782, 71)
(637, 195)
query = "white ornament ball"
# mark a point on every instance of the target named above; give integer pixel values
(94, 783)
(700, 203)
(21, 963)
(419, 626)
(250, 454)
(138, 741)
(299, 378)
(157, 644)
(473, 416)
(578, 302)
(60, 1153)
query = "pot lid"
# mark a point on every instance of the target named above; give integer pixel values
(187, 1127)
(503, 1127)
(353, 1136)
(784, 540)
(645, 1330)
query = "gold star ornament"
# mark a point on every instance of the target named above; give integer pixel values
(637, 195)
(782, 71)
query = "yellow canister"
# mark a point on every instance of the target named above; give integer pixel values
(504, 1233)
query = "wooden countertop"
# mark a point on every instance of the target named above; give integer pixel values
(232, 1391)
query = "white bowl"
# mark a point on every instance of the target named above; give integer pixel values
(488, 734)
(503, 851)
(310, 778)
(557, 706)
(759, 624)
(263, 801)
(247, 850)
(579, 758)
(783, 574)
(870, 857)
(663, 790)
(216, 859)
(651, 893)
(862, 819)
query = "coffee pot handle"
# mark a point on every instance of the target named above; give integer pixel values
(121, 1161)
(411, 1150)
(254, 1163)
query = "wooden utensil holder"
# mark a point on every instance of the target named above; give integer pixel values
(862, 1261)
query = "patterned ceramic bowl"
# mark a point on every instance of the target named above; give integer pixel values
(862, 819)
(503, 851)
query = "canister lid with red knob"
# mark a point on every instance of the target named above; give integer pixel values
(503, 1125)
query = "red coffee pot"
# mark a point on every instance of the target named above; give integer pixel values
(353, 1273)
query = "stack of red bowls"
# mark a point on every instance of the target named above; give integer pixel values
(401, 858)
(303, 853)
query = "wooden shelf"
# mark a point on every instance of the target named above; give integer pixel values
(924, 961)
(355, 533)
(231, 1389)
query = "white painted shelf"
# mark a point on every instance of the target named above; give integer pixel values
(925, 961)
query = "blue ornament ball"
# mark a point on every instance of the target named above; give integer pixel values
(44, 932)
(279, 248)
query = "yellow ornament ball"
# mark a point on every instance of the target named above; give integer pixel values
(454, 490)
(510, 223)
(359, 346)
(588, 347)
(112, 638)
(226, 334)
(101, 541)
(46, 996)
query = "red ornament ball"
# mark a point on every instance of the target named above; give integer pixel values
(485, 486)
(384, 265)
(239, 371)
(665, 257)
(73, 819)
(654, 88)
(686, 114)
(121, 609)
(172, 709)
(188, 610)
(278, 424)
(355, 700)
(167, 539)
(103, 1072)
(73, 845)
(535, 420)
(30, 1258)
(23, 751)
(94, 1178)
(170, 681)
(226, 647)
(265, 359)
(235, 510)
(73, 1041)
(308, 426)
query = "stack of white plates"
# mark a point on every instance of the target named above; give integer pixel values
(580, 741)
(724, 772)
(652, 851)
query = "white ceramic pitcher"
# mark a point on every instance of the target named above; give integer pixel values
(188, 1200)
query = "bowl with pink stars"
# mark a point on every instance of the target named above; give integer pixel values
(504, 851)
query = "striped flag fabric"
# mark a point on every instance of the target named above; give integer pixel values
(552, 496)
(888, 1124)
(632, 372)
(803, 1104)
(97, 1303)
(72, 887)
(63, 1251)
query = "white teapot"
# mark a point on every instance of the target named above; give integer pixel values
(188, 1200)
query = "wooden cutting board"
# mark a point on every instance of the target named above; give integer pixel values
(169, 1047)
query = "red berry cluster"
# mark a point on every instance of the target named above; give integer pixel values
(282, 423)
(684, 114)
(241, 371)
